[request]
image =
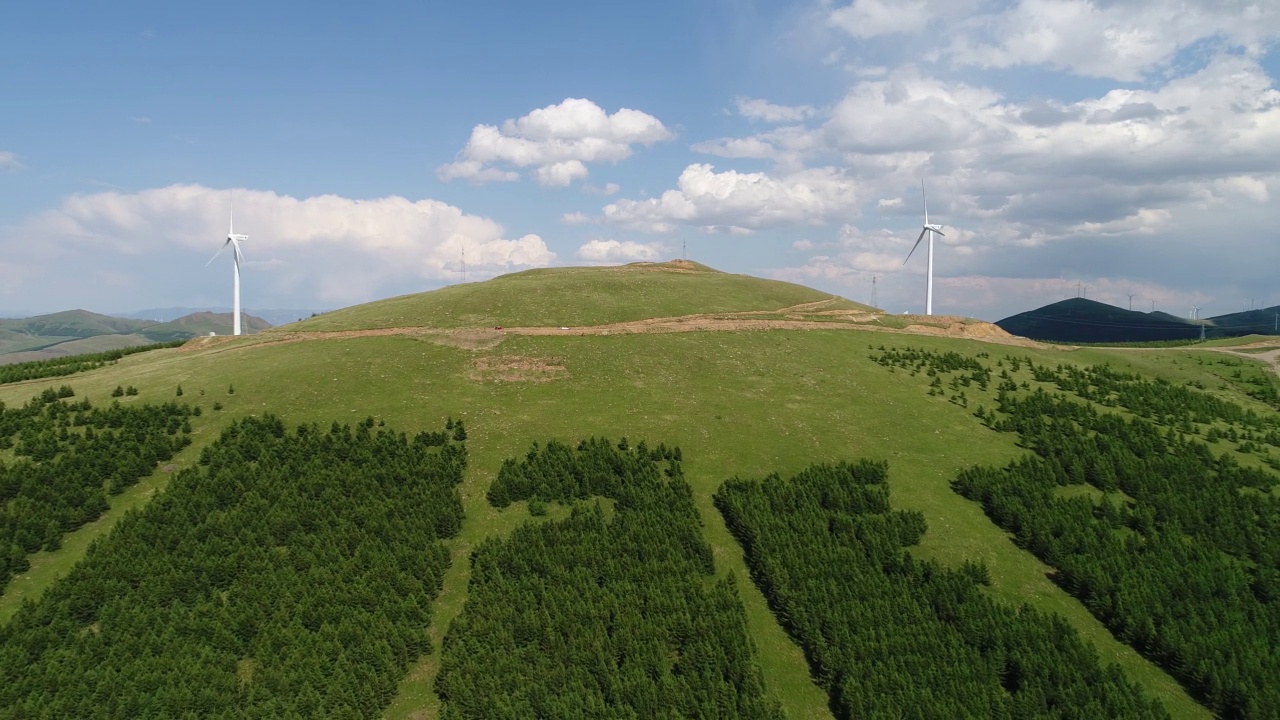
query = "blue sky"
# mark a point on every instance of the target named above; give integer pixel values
(369, 146)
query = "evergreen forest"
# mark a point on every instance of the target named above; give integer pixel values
(289, 574)
(891, 636)
(613, 612)
(68, 457)
(1168, 537)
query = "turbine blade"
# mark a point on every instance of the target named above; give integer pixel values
(938, 231)
(913, 247)
(924, 198)
(215, 255)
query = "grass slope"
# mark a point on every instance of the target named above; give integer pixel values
(577, 296)
(79, 346)
(737, 403)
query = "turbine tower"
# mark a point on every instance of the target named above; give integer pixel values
(234, 241)
(926, 230)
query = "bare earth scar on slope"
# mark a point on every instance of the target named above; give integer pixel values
(515, 368)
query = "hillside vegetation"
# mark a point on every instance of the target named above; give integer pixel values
(577, 296)
(737, 403)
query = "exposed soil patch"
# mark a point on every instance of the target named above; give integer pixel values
(515, 368)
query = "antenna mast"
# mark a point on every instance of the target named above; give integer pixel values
(874, 299)
(464, 264)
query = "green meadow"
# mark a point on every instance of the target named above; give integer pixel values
(738, 404)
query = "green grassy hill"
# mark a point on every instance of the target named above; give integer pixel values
(738, 403)
(199, 324)
(577, 296)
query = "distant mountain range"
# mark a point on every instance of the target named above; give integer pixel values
(1078, 320)
(79, 331)
(275, 316)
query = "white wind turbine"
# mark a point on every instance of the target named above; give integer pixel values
(926, 230)
(234, 241)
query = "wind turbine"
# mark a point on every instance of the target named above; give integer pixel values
(926, 230)
(234, 241)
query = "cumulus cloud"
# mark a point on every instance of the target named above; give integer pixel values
(9, 161)
(755, 109)
(344, 249)
(733, 201)
(560, 174)
(608, 252)
(557, 141)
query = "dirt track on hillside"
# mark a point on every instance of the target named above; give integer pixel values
(806, 316)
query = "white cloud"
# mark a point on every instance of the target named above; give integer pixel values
(731, 200)
(768, 112)
(575, 218)
(907, 111)
(1031, 172)
(870, 18)
(1245, 186)
(560, 174)
(738, 148)
(346, 249)
(614, 251)
(803, 245)
(607, 190)
(1121, 40)
(9, 161)
(557, 141)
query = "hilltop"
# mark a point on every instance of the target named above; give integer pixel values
(1080, 320)
(75, 332)
(745, 376)
(577, 296)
